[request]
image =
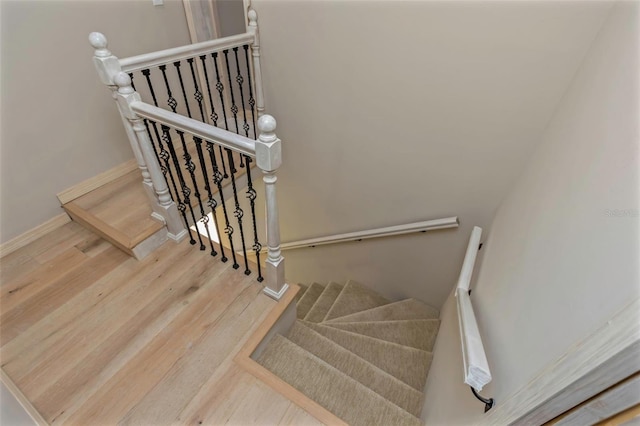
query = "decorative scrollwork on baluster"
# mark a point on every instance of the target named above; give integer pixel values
(252, 101)
(217, 180)
(186, 191)
(220, 89)
(171, 101)
(238, 212)
(252, 195)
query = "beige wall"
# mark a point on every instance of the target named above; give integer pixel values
(59, 124)
(394, 112)
(559, 261)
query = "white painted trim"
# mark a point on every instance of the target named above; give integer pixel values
(409, 228)
(153, 59)
(197, 128)
(33, 234)
(82, 188)
(151, 243)
(202, 20)
(177, 238)
(605, 405)
(476, 368)
(609, 355)
(276, 295)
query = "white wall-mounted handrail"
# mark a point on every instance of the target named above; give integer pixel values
(197, 128)
(148, 60)
(476, 367)
(427, 225)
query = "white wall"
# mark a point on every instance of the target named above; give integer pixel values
(559, 261)
(59, 124)
(393, 112)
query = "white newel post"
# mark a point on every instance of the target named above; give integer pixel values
(255, 53)
(268, 159)
(165, 206)
(108, 66)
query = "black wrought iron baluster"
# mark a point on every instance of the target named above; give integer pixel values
(155, 150)
(197, 94)
(238, 213)
(186, 191)
(240, 81)
(214, 115)
(234, 107)
(147, 75)
(191, 168)
(220, 89)
(217, 179)
(252, 101)
(133, 86)
(184, 92)
(251, 195)
(211, 202)
(165, 155)
(171, 101)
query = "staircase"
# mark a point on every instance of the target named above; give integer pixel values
(355, 353)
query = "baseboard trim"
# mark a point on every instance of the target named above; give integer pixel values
(609, 355)
(97, 181)
(244, 360)
(22, 399)
(33, 234)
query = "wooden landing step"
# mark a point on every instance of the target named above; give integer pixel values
(119, 212)
(114, 206)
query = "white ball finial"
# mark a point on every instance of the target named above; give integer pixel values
(267, 124)
(253, 16)
(99, 43)
(123, 81)
(98, 40)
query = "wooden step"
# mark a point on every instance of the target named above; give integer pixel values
(119, 212)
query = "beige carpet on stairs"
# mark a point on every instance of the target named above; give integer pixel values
(404, 363)
(308, 299)
(407, 309)
(357, 368)
(353, 298)
(334, 390)
(419, 334)
(357, 354)
(324, 302)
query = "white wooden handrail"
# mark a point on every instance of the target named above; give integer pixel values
(427, 225)
(148, 60)
(197, 128)
(476, 367)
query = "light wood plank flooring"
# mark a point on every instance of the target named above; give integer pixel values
(92, 336)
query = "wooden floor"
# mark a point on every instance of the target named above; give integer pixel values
(92, 336)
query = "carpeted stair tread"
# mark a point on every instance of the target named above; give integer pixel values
(357, 368)
(324, 302)
(354, 298)
(303, 289)
(334, 390)
(407, 364)
(308, 299)
(408, 309)
(419, 334)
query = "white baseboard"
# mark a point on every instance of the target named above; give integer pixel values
(97, 181)
(33, 234)
(609, 355)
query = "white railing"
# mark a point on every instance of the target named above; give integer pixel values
(476, 367)
(266, 149)
(196, 128)
(409, 228)
(149, 60)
